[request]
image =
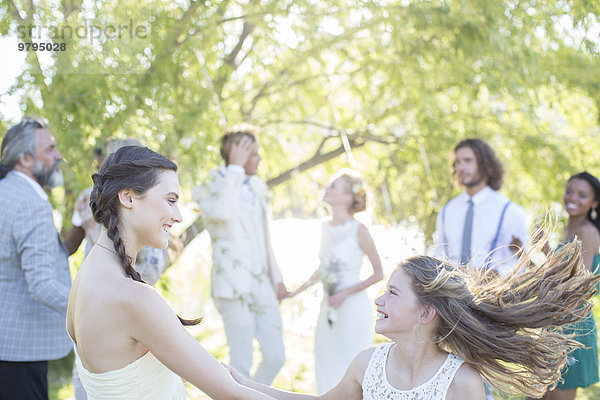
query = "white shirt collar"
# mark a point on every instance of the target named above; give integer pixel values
(36, 186)
(479, 196)
(246, 193)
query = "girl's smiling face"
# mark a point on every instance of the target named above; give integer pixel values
(398, 309)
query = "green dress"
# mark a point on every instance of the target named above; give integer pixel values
(582, 368)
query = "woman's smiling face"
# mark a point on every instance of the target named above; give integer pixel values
(578, 198)
(157, 210)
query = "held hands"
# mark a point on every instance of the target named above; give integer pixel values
(240, 151)
(239, 378)
(282, 292)
(293, 293)
(299, 290)
(311, 281)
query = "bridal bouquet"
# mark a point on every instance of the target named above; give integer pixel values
(330, 276)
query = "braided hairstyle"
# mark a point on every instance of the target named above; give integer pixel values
(594, 217)
(130, 167)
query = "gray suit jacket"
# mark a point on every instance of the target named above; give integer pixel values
(34, 276)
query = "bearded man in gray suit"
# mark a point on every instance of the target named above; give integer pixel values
(34, 269)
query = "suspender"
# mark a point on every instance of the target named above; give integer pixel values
(494, 241)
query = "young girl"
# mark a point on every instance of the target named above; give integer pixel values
(448, 327)
(345, 320)
(129, 343)
(582, 203)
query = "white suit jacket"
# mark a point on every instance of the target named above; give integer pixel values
(230, 224)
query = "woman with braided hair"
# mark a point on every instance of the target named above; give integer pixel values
(448, 327)
(129, 343)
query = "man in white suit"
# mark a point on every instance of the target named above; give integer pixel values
(34, 268)
(246, 284)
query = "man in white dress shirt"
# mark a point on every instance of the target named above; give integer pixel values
(481, 225)
(246, 284)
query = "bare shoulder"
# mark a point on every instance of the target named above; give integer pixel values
(363, 233)
(149, 318)
(360, 363)
(146, 304)
(138, 296)
(589, 233)
(467, 384)
(364, 356)
(125, 299)
(350, 387)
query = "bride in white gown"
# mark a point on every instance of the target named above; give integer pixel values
(344, 327)
(129, 343)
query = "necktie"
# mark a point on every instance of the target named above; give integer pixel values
(465, 254)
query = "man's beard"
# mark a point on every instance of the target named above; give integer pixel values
(473, 182)
(48, 177)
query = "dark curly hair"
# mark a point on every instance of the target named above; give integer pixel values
(488, 164)
(130, 167)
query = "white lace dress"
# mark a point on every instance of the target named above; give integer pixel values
(350, 329)
(376, 386)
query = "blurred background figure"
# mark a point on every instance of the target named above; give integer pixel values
(582, 203)
(34, 266)
(480, 226)
(246, 283)
(346, 316)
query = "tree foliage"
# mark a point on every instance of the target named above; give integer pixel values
(387, 87)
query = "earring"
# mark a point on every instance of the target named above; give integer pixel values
(594, 214)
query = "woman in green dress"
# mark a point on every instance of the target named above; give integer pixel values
(582, 203)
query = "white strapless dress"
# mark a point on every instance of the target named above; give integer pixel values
(145, 379)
